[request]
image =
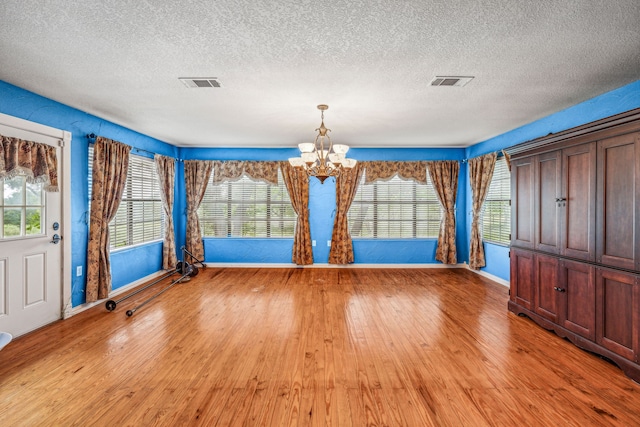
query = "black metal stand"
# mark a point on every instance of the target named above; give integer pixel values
(111, 304)
(184, 268)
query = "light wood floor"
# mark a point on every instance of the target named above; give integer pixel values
(339, 347)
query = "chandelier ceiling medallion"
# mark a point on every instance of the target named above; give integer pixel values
(322, 158)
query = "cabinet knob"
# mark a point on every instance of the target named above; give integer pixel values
(559, 289)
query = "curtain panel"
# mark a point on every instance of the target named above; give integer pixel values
(233, 170)
(383, 171)
(166, 169)
(297, 182)
(444, 176)
(341, 244)
(480, 174)
(110, 166)
(507, 159)
(37, 161)
(196, 177)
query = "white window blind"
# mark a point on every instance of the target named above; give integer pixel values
(496, 211)
(247, 208)
(394, 209)
(140, 217)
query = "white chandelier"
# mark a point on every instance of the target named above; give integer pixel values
(322, 159)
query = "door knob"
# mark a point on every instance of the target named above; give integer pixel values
(56, 239)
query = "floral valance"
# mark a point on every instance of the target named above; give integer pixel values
(234, 169)
(38, 162)
(383, 171)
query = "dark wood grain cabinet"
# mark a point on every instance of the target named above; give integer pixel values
(575, 247)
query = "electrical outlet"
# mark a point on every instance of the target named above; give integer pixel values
(79, 270)
(329, 243)
(313, 243)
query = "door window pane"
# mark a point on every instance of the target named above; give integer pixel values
(33, 221)
(22, 207)
(12, 222)
(13, 191)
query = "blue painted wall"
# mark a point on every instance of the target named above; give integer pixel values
(134, 263)
(126, 266)
(617, 101)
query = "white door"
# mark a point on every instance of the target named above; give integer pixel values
(30, 263)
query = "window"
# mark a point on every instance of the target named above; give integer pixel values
(22, 207)
(496, 211)
(140, 217)
(395, 209)
(247, 208)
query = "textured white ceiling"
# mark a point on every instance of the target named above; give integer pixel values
(371, 61)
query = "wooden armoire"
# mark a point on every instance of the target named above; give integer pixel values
(575, 236)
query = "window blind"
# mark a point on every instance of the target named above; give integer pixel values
(140, 217)
(247, 208)
(496, 211)
(394, 209)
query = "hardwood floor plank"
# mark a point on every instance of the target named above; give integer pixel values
(310, 347)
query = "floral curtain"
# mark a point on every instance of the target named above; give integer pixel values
(444, 176)
(480, 174)
(234, 169)
(196, 177)
(38, 162)
(507, 159)
(383, 171)
(297, 182)
(341, 244)
(110, 166)
(166, 169)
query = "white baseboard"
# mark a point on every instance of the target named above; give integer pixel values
(325, 265)
(119, 291)
(492, 277)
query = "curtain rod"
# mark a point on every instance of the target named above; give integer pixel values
(499, 154)
(93, 136)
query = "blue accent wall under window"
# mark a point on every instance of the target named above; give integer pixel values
(134, 263)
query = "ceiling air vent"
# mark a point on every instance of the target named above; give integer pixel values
(450, 81)
(198, 82)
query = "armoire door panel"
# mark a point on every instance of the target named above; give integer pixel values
(618, 195)
(577, 285)
(546, 284)
(578, 202)
(618, 312)
(548, 189)
(522, 278)
(522, 192)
